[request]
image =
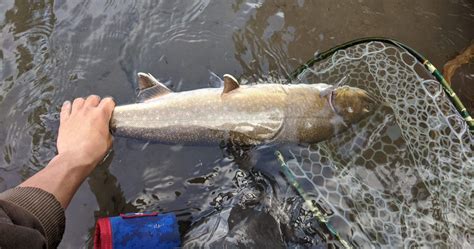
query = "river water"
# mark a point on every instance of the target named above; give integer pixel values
(52, 51)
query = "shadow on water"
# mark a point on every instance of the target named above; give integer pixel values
(109, 196)
(51, 51)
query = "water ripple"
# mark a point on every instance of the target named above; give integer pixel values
(51, 51)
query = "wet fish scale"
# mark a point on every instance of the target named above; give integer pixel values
(245, 115)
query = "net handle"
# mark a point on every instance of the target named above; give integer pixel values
(427, 64)
(318, 214)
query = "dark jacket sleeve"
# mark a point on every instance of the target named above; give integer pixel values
(30, 218)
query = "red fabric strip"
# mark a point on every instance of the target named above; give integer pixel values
(103, 234)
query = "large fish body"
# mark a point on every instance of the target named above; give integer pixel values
(244, 115)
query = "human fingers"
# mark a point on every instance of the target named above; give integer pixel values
(92, 100)
(65, 111)
(108, 105)
(77, 104)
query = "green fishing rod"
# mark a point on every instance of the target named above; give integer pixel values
(319, 214)
(427, 64)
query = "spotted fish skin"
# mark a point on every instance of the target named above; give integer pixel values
(245, 115)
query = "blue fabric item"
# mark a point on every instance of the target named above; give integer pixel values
(145, 231)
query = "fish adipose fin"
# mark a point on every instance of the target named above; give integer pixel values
(230, 83)
(149, 87)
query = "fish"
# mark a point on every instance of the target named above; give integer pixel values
(250, 114)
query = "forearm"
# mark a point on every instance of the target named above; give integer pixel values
(31, 213)
(35, 209)
(61, 177)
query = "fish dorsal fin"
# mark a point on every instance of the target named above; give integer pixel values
(146, 80)
(230, 83)
(150, 88)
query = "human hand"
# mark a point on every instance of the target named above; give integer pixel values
(84, 135)
(83, 140)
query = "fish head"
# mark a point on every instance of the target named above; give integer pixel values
(352, 104)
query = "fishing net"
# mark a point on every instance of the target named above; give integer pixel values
(404, 176)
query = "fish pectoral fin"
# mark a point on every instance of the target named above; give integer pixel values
(149, 87)
(230, 83)
(236, 137)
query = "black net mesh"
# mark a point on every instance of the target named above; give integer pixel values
(404, 176)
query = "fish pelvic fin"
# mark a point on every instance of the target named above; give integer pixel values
(230, 83)
(149, 87)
